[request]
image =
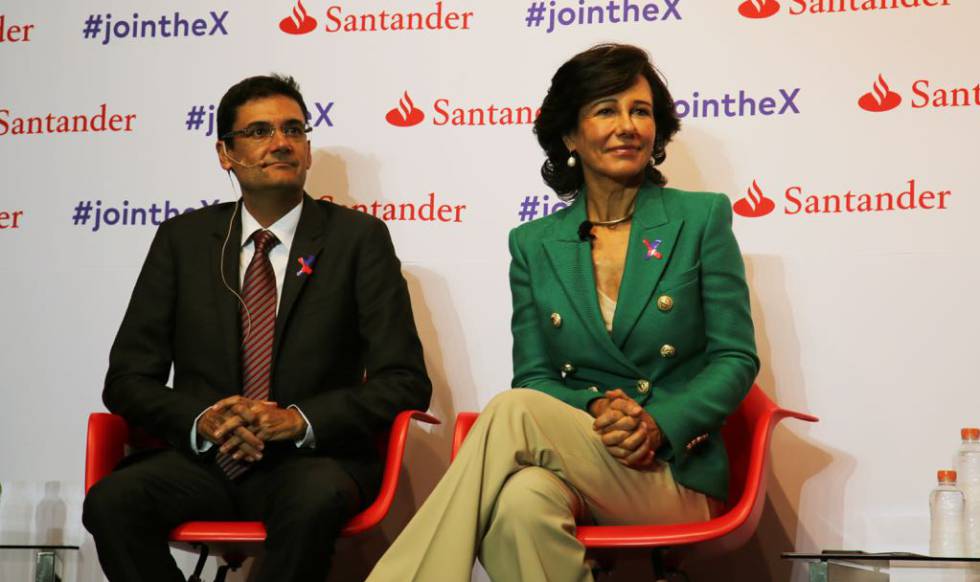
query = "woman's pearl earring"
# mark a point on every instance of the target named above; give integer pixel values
(570, 162)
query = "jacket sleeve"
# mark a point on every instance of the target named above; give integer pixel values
(532, 366)
(142, 354)
(732, 363)
(395, 375)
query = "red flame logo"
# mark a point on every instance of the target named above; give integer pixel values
(880, 98)
(758, 8)
(754, 204)
(299, 22)
(406, 114)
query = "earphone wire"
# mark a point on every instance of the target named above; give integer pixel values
(221, 266)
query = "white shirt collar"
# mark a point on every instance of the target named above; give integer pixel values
(284, 228)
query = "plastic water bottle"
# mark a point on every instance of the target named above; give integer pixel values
(968, 474)
(946, 505)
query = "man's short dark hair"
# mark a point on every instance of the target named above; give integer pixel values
(603, 70)
(256, 88)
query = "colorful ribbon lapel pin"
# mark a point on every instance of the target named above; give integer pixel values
(652, 249)
(305, 265)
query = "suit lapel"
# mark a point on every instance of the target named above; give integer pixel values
(643, 267)
(306, 244)
(228, 308)
(571, 259)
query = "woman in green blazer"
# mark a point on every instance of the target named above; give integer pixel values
(633, 341)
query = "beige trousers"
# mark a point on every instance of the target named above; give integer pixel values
(530, 466)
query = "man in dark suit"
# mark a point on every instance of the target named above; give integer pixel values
(290, 332)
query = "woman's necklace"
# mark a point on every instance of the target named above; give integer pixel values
(616, 221)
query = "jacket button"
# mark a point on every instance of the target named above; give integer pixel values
(556, 319)
(568, 368)
(643, 386)
(668, 351)
(665, 303)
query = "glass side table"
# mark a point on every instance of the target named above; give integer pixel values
(47, 559)
(856, 566)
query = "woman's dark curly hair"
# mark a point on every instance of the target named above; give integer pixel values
(603, 70)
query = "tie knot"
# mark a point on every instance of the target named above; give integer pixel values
(264, 240)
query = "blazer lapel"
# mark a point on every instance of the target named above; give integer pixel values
(571, 259)
(652, 239)
(228, 308)
(306, 245)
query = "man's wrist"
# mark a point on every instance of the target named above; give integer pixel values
(199, 443)
(305, 438)
(299, 422)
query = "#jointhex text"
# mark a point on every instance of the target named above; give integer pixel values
(163, 27)
(599, 12)
(197, 115)
(91, 212)
(532, 205)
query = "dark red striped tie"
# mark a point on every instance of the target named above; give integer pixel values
(258, 329)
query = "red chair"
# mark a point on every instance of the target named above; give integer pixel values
(747, 433)
(109, 434)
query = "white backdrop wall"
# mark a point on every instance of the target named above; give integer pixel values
(864, 309)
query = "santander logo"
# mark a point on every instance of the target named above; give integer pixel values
(754, 204)
(880, 98)
(299, 22)
(406, 114)
(758, 8)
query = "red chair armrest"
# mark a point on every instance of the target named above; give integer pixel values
(375, 512)
(104, 445)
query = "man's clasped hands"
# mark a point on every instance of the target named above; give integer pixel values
(241, 426)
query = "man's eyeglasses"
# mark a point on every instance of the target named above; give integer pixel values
(261, 132)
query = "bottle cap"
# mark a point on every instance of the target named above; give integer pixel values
(970, 433)
(946, 476)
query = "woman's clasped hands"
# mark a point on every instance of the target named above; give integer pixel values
(628, 431)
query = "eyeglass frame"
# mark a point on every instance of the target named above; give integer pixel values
(249, 132)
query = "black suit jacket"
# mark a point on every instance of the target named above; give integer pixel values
(346, 349)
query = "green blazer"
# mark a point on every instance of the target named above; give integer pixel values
(682, 342)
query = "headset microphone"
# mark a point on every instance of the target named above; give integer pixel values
(237, 162)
